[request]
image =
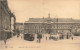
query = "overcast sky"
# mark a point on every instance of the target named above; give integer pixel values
(25, 9)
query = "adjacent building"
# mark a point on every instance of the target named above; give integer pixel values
(20, 27)
(6, 20)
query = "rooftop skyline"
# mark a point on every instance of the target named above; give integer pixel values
(25, 9)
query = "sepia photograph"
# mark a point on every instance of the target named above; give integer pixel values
(39, 24)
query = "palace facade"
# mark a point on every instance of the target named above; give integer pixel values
(51, 25)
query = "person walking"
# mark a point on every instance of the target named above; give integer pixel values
(5, 41)
(57, 36)
(46, 37)
(39, 40)
(72, 37)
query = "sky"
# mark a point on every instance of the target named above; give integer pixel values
(25, 9)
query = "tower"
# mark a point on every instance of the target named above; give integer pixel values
(49, 15)
(49, 20)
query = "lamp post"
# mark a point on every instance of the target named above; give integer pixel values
(57, 24)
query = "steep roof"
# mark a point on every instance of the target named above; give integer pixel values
(60, 20)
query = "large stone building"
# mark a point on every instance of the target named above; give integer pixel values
(6, 20)
(51, 25)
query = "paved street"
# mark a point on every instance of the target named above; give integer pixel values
(44, 45)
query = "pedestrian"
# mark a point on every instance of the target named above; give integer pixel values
(17, 36)
(46, 37)
(62, 36)
(67, 36)
(39, 40)
(72, 38)
(57, 36)
(5, 41)
(21, 35)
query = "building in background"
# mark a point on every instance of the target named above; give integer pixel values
(20, 27)
(51, 25)
(5, 20)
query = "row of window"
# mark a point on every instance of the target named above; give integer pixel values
(54, 26)
(46, 27)
(33, 31)
(34, 27)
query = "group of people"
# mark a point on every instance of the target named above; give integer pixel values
(58, 36)
(39, 37)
